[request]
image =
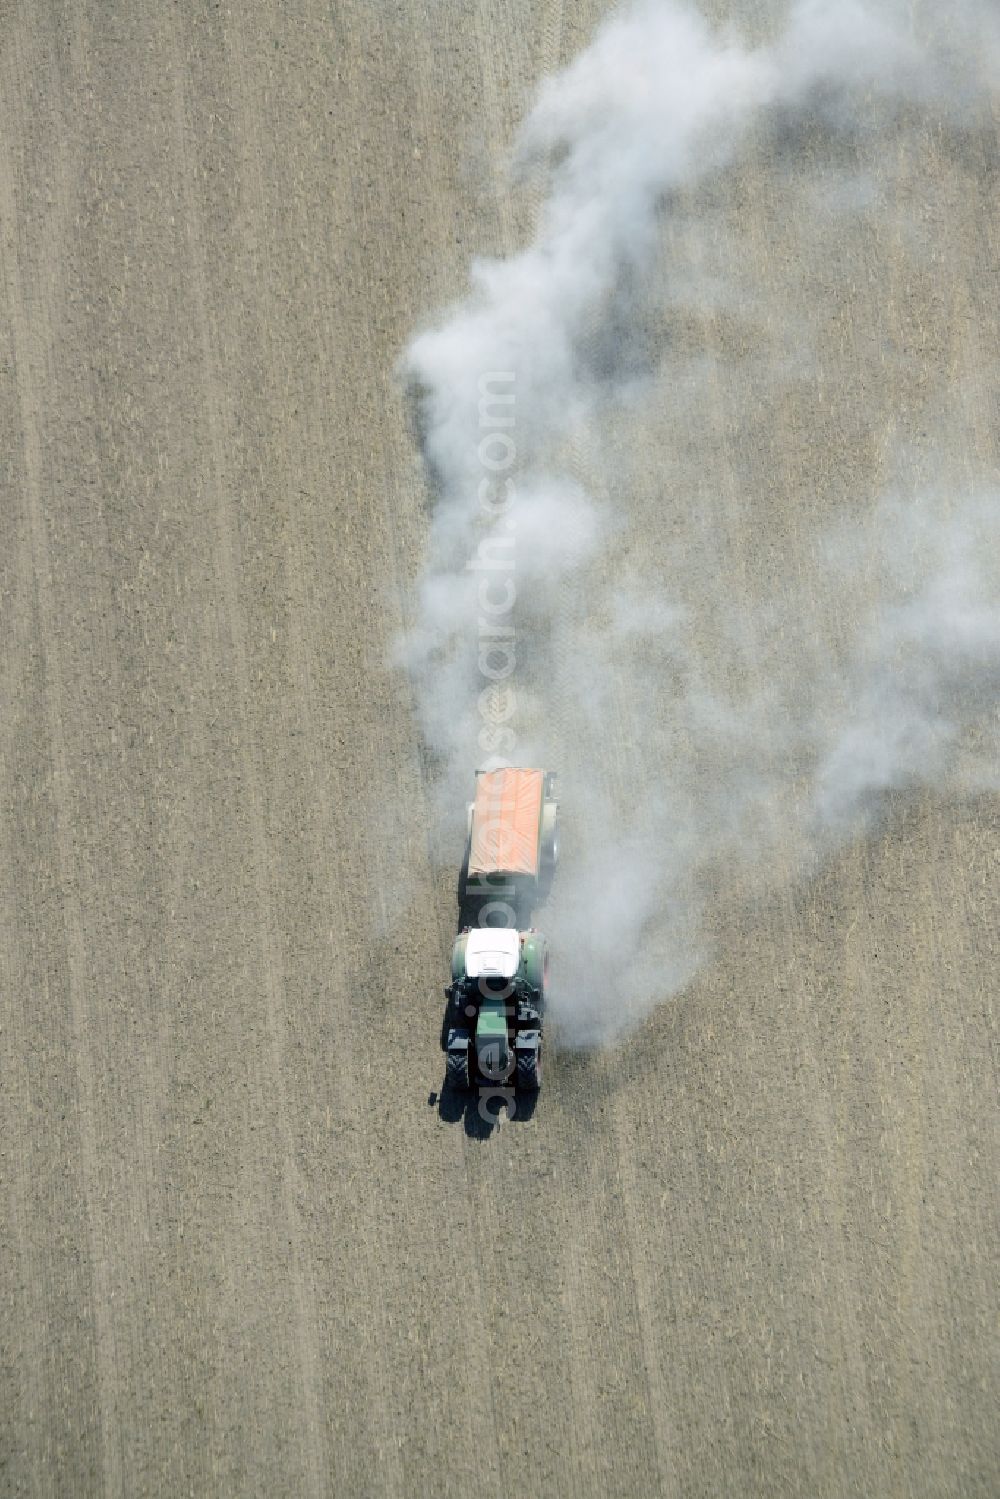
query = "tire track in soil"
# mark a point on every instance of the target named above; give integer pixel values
(488, 1180)
(582, 1280)
(487, 1174)
(326, 831)
(734, 503)
(302, 1278)
(24, 1439)
(33, 343)
(497, 1295)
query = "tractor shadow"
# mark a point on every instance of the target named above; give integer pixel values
(482, 1110)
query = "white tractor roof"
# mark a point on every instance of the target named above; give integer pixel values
(492, 952)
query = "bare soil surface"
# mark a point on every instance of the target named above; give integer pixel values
(244, 1247)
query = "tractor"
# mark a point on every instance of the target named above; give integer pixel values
(499, 967)
(496, 1008)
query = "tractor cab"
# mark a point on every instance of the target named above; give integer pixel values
(492, 953)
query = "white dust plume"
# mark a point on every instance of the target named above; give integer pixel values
(716, 728)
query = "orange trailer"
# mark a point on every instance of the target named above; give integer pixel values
(512, 824)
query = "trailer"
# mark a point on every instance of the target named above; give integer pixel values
(499, 974)
(513, 832)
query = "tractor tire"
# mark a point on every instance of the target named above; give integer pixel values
(458, 1077)
(529, 1071)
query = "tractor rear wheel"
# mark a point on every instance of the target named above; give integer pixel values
(529, 1070)
(458, 1069)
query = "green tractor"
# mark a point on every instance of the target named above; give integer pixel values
(496, 1008)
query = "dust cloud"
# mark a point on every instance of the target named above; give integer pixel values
(719, 727)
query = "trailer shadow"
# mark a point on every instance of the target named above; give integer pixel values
(492, 900)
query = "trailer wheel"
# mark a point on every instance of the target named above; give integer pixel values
(529, 1070)
(550, 852)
